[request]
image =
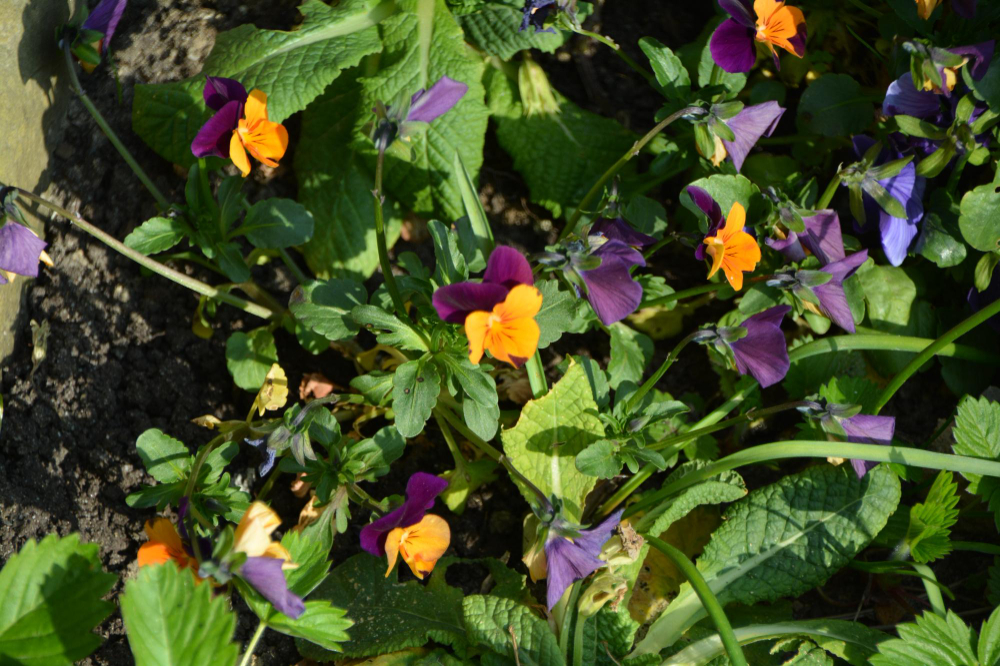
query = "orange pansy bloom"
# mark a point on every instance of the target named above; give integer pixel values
(421, 545)
(510, 331)
(732, 249)
(780, 25)
(265, 140)
(164, 545)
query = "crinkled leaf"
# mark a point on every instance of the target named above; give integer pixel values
(324, 307)
(495, 28)
(977, 434)
(726, 487)
(932, 639)
(157, 234)
(491, 620)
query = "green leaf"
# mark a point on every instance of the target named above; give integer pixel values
(249, 356)
(375, 454)
(292, 67)
(893, 307)
(165, 458)
(491, 620)
(51, 594)
(844, 390)
(939, 243)
(988, 87)
(782, 540)
(375, 386)
(600, 459)
(172, 621)
(726, 487)
(550, 433)
(977, 434)
(475, 237)
(670, 72)
(466, 480)
(322, 624)
(325, 307)
(495, 28)
(388, 329)
(979, 222)
(920, 128)
(834, 105)
(157, 234)
(931, 520)
(647, 215)
(414, 395)
(726, 190)
(480, 407)
(932, 639)
(388, 615)
(631, 352)
(449, 262)
(230, 260)
(557, 312)
(708, 70)
(277, 223)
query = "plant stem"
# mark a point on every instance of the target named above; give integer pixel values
(822, 449)
(194, 285)
(658, 246)
(828, 193)
(610, 43)
(749, 417)
(536, 376)
(934, 597)
(888, 342)
(637, 397)
(477, 441)
(708, 600)
(632, 152)
(300, 276)
(252, 645)
(383, 248)
(956, 332)
(449, 439)
(976, 547)
(161, 200)
(686, 293)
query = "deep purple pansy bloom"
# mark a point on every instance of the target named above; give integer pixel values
(704, 201)
(426, 105)
(865, 429)
(733, 44)
(611, 290)
(535, 14)
(226, 97)
(748, 126)
(763, 352)
(569, 559)
(903, 98)
(104, 19)
(979, 57)
(421, 491)
(619, 230)
(822, 237)
(266, 576)
(20, 250)
(978, 300)
(907, 188)
(831, 297)
(505, 269)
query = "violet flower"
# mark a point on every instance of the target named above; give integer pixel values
(757, 345)
(611, 290)
(618, 230)
(865, 429)
(505, 269)
(704, 201)
(20, 251)
(831, 297)
(572, 555)
(747, 126)
(421, 491)
(733, 44)
(822, 237)
(104, 19)
(428, 105)
(226, 97)
(903, 98)
(265, 574)
(536, 12)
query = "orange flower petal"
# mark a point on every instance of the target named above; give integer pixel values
(522, 301)
(477, 326)
(255, 109)
(514, 341)
(423, 544)
(152, 553)
(162, 530)
(238, 155)
(735, 222)
(392, 547)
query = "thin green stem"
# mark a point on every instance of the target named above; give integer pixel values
(609, 174)
(888, 342)
(611, 44)
(831, 189)
(866, 9)
(449, 439)
(976, 547)
(686, 293)
(536, 376)
(749, 417)
(821, 449)
(383, 248)
(477, 441)
(287, 259)
(161, 200)
(636, 398)
(933, 591)
(194, 285)
(708, 600)
(568, 603)
(193, 258)
(252, 645)
(864, 43)
(658, 246)
(934, 348)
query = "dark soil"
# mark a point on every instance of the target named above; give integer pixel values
(122, 358)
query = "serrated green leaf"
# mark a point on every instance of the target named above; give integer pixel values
(324, 307)
(388, 329)
(557, 312)
(414, 395)
(165, 458)
(726, 487)
(932, 639)
(931, 520)
(321, 624)
(495, 28)
(490, 621)
(631, 352)
(172, 621)
(834, 105)
(51, 601)
(292, 67)
(277, 223)
(550, 433)
(782, 540)
(389, 615)
(977, 434)
(249, 356)
(157, 234)
(600, 459)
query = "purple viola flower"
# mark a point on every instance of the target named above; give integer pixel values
(226, 97)
(426, 105)
(748, 126)
(505, 269)
(980, 299)
(611, 290)
(903, 98)
(822, 237)
(704, 201)
(104, 19)
(733, 44)
(535, 14)
(619, 230)
(864, 429)
(266, 576)
(573, 555)
(831, 297)
(20, 251)
(421, 491)
(763, 352)
(908, 189)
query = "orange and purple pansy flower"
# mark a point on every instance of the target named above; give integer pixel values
(420, 538)
(499, 312)
(727, 243)
(240, 125)
(772, 22)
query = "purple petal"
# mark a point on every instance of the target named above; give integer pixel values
(741, 11)
(219, 91)
(832, 299)
(898, 233)
(214, 136)
(790, 246)
(617, 229)
(611, 290)
(710, 207)
(626, 253)
(863, 429)
(508, 267)
(19, 250)
(569, 561)
(903, 98)
(749, 125)
(964, 8)
(266, 576)
(421, 491)
(732, 47)
(763, 352)
(535, 13)
(425, 106)
(104, 19)
(823, 237)
(592, 540)
(979, 55)
(454, 302)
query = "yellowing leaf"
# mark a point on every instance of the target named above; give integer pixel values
(274, 393)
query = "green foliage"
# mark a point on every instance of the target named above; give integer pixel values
(157, 234)
(834, 105)
(726, 487)
(931, 521)
(631, 352)
(726, 190)
(277, 223)
(249, 356)
(388, 329)
(944, 641)
(893, 307)
(496, 622)
(480, 406)
(172, 621)
(977, 434)
(324, 307)
(414, 395)
(51, 601)
(495, 28)
(557, 313)
(674, 80)
(978, 220)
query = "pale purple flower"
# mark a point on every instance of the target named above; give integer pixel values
(763, 352)
(831, 297)
(822, 237)
(748, 126)
(20, 250)
(104, 19)
(266, 576)
(619, 230)
(427, 105)
(865, 429)
(571, 556)
(611, 290)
